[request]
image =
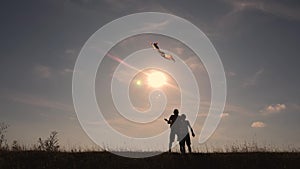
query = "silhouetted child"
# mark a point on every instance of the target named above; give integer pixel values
(183, 133)
(174, 128)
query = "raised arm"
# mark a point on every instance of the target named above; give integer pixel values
(171, 120)
(168, 121)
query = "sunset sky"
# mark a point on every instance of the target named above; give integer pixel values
(257, 41)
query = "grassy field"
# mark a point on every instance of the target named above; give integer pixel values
(103, 160)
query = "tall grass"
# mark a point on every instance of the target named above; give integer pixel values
(51, 144)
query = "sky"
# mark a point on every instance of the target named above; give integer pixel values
(257, 42)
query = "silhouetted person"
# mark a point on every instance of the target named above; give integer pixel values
(183, 133)
(174, 129)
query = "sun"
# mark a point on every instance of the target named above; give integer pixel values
(156, 79)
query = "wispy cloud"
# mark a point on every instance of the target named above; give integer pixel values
(275, 8)
(223, 115)
(66, 71)
(179, 50)
(70, 51)
(252, 81)
(43, 71)
(120, 6)
(274, 108)
(46, 72)
(38, 101)
(231, 74)
(195, 64)
(70, 55)
(258, 124)
(229, 110)
(137, 5)
(153, 26)
(234, 17)
(295, 107)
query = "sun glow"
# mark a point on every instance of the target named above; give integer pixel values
(156, 79)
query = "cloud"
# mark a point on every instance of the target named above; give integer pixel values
(228, 110)
(179, 50)
(43, 71)
(121, 4)
(202, 115)
(258, 124)
(70, 51)
(67, 71)
(224, 115)
(153, 26)
(252, 81)
(295, 107)
(274, 108)
(37, 101)
(275, 8)
(136, 5)
(47, 72)
(234, 17)
(70, 55)
(195, 64)
(231, 74)
(237, 109)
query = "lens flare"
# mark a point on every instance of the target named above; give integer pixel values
(138, 82)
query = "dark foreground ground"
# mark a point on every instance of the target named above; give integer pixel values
(103, 160)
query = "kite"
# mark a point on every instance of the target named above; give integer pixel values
(162, 54)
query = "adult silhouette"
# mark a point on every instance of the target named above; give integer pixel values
(183, 133)
(173, 126)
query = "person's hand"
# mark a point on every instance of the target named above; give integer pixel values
(193, 134)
